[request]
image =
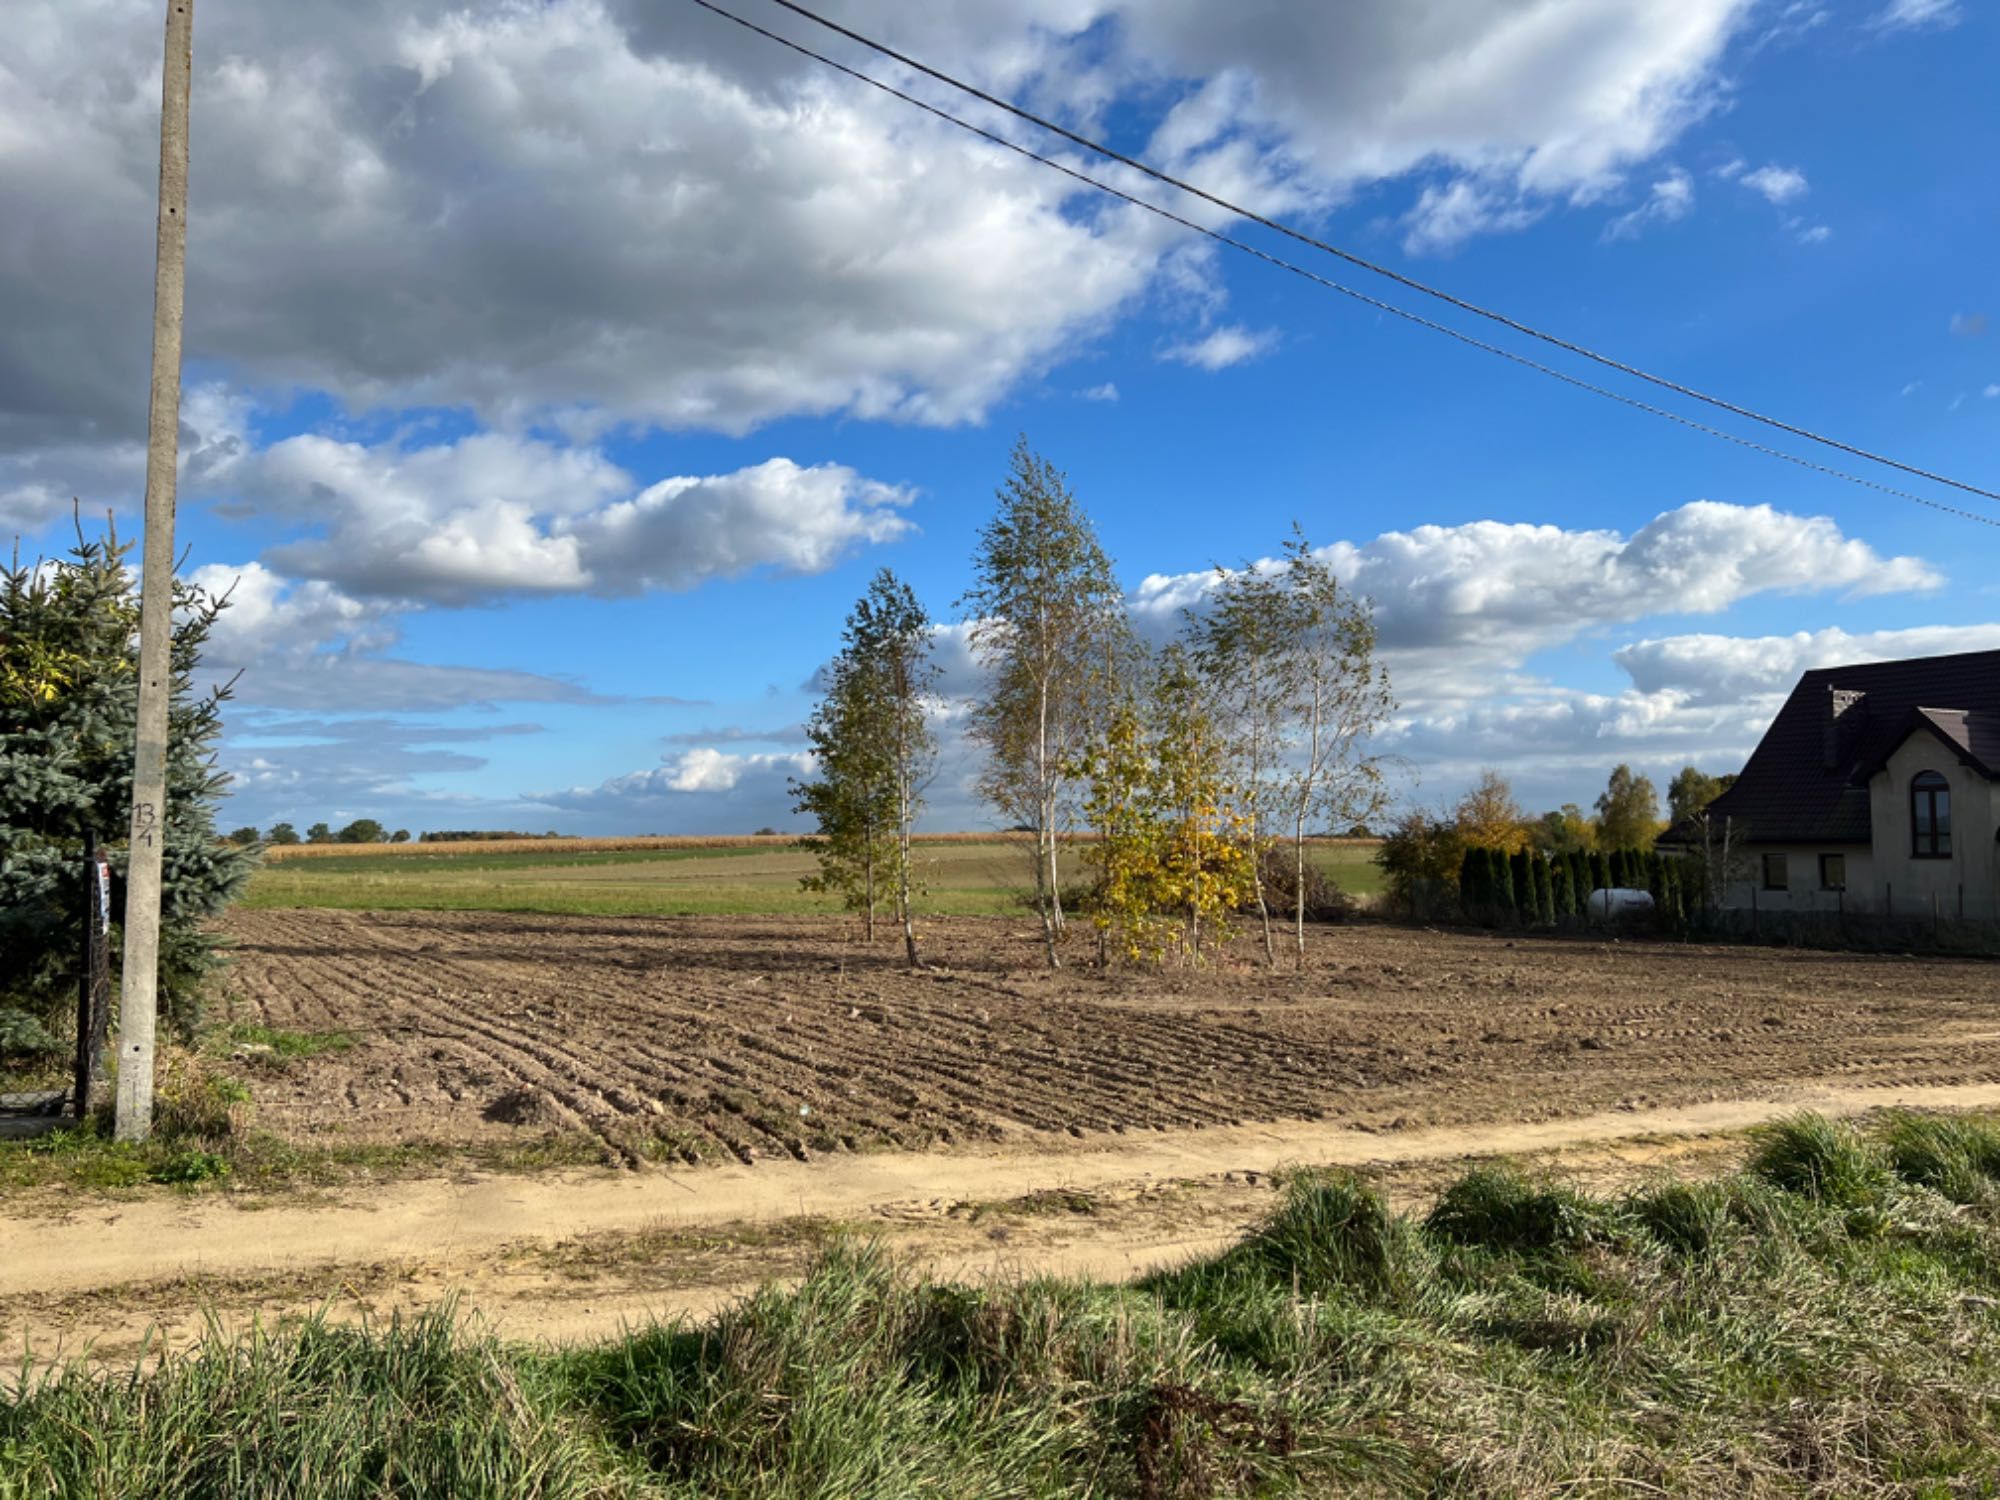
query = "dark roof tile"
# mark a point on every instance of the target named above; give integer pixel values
(1788, 793)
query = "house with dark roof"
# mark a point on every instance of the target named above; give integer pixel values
(1876, 789)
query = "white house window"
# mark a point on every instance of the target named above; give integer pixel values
(1833, 872)
(1930, 816)
(1776, 875)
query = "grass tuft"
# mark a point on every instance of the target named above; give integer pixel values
(1495, 1208)
(1826, 1160)
(1691, 1219)
(1956, 1157)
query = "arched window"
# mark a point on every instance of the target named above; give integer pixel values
(1930, 816)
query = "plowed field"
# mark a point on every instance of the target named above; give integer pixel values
(753, 1038)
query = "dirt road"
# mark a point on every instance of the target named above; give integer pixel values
(584, 1254)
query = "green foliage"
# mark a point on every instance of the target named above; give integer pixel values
(362, 831)
(400, 836)
(874, 751)
(1562, 891)
(1046, 622)
(1421, 858)
(23, 1037)
(1690, 792)
(282, 833)
(319, 833)
(1628, 811)
(320, 1413)
(1563, 832)
(1544, 886)
(68, 705)
(1691, 1219)
(1521, 881)
(1174, 856)
(244, 836)
(1579, 879)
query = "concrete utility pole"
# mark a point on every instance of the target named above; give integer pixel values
(138, 995)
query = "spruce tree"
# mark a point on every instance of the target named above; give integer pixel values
(68, 711)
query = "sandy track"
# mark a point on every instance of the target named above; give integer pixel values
(437, 1225)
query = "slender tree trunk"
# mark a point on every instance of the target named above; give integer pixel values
(1257, 884)
(1045, 834)
(903, 872)
(1055, 870)
(868, 868)
(1299, 885)
(1044, 896)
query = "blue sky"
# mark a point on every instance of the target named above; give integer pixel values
(559, 373)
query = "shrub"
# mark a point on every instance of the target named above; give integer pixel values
(1545, 905)
(24, 1037)
(1420, 860)
(1521, 877)
(1325, 900)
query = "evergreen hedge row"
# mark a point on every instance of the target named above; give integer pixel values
(1524, 888)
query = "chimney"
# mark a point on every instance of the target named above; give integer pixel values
(1841, 725)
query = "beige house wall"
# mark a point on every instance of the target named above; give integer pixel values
(1886, 876)
(1802, 888)
(1967, 882)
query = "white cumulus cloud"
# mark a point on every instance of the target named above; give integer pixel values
(1226, 346)
(1776, 183)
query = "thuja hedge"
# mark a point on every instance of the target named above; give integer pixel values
(1526, 888)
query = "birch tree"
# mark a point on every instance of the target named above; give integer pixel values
(848, 797)
(890, 629)
(1338, 697)
(875, 753)
(1042, 607)
(1248, 648)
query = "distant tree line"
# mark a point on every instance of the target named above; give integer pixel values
(360, 831)
(1428, 855)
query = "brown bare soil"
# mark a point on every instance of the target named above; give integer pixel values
(758, 1038)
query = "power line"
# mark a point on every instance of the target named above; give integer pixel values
(1278, 226)
(1335, 286)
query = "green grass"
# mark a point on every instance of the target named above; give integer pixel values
(974, 879)
(280, 1045)
(84, 1158)
(1733, 1337)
